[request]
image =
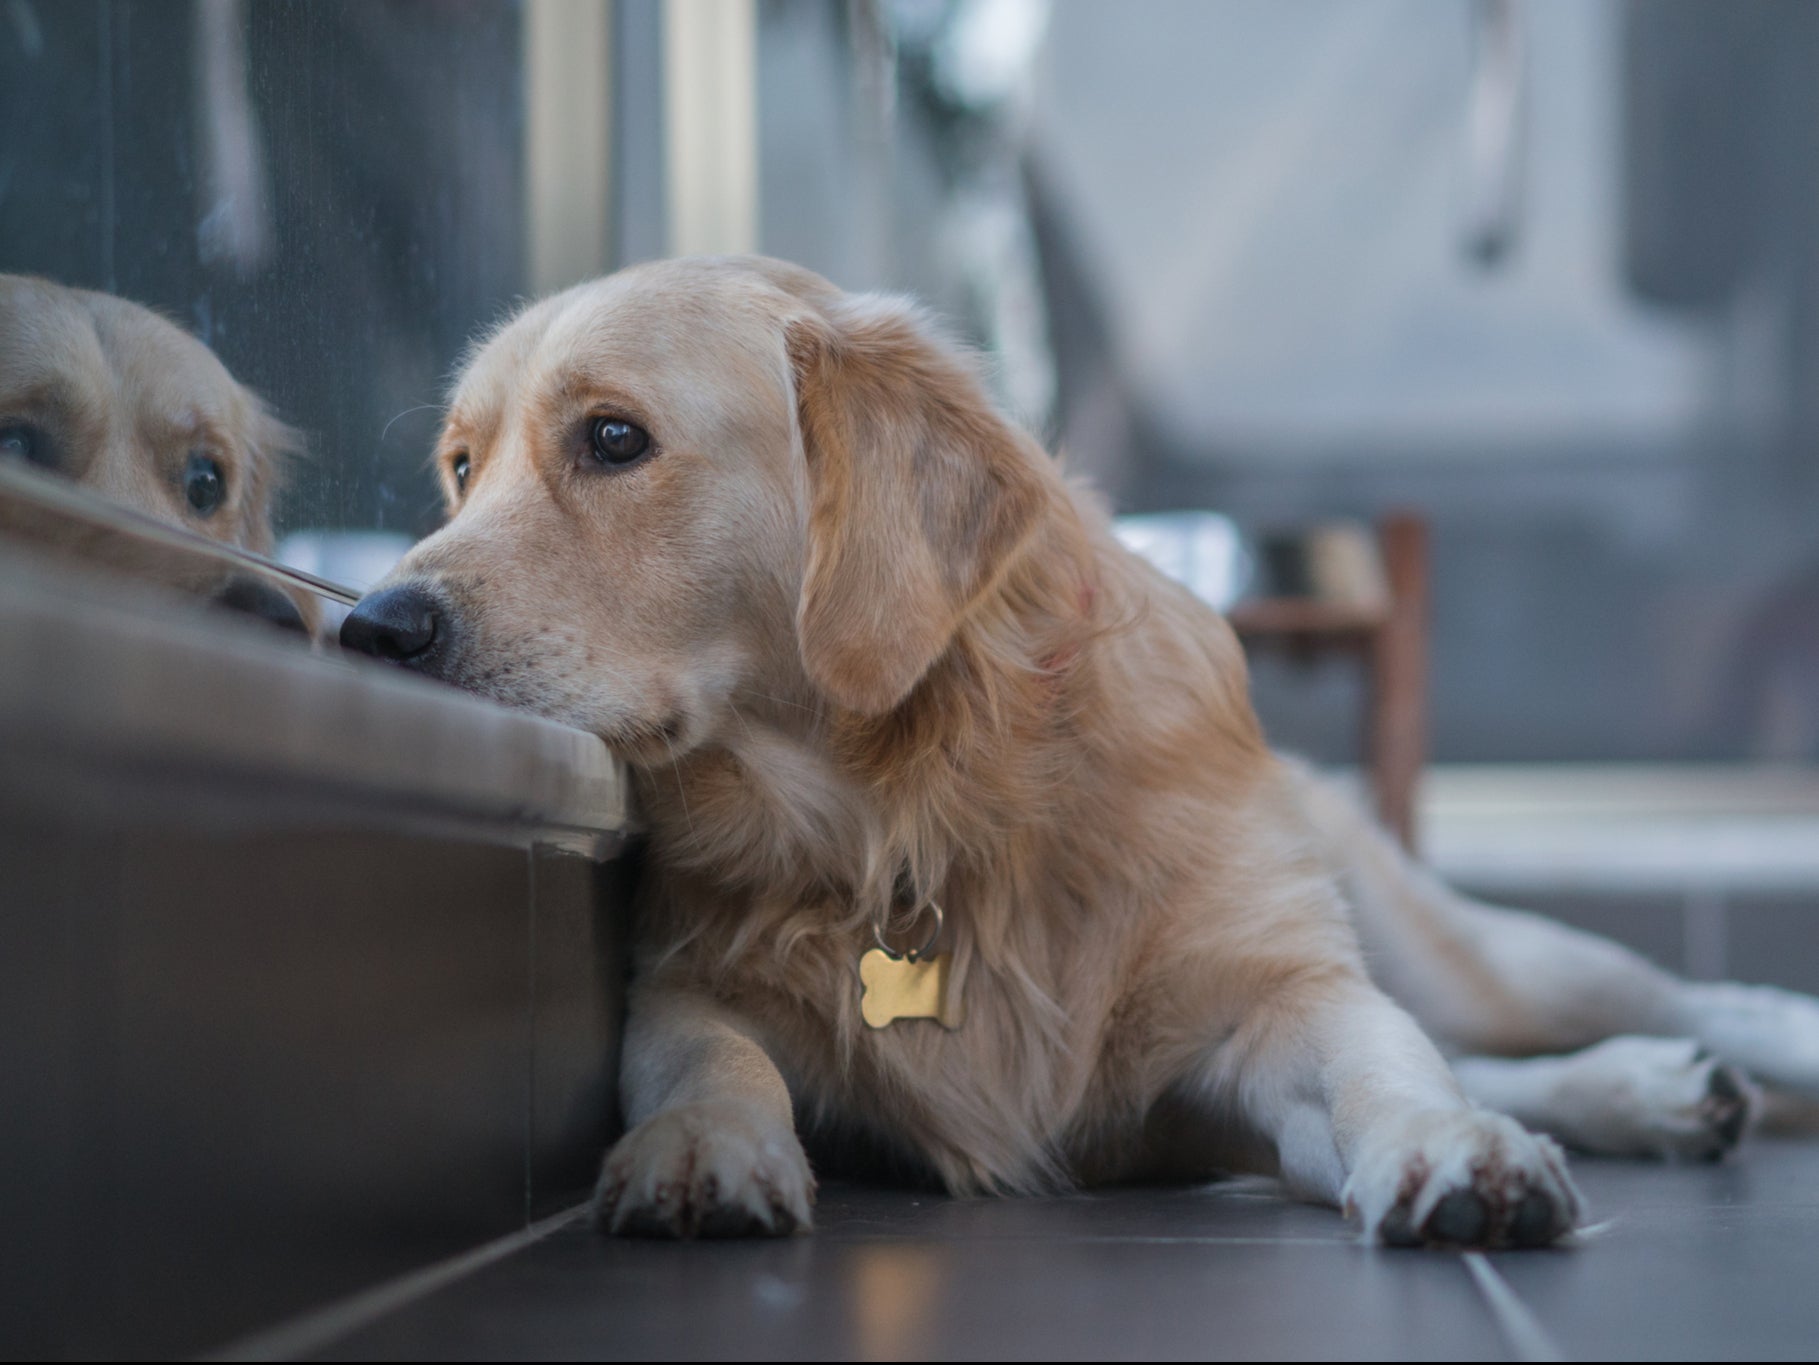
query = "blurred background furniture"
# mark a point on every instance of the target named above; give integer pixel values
(1334, 593)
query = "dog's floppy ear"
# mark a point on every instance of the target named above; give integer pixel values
(920, 495)
(271, 449)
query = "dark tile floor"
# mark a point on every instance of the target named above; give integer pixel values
(1691, 1261)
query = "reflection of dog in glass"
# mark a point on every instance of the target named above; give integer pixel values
(122, 402)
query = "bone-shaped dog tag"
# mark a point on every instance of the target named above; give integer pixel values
(906, 988)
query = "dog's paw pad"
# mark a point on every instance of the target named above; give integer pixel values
(1727, 1109)
(1535, 1221)
(1460, 1218)
(1462, 1178)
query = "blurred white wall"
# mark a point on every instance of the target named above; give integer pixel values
(1271, 198)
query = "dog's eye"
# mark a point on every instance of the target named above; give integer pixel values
(203, 484)
(22, 441)
(617, 442)
(461, 465)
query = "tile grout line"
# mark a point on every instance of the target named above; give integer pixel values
(1526, 1337)
(312, 1331)
(1082, 1239)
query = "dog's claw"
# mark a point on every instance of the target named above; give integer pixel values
(705, 1170)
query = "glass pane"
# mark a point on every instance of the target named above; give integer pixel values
(328, 196)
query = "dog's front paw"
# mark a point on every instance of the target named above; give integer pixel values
(1462, 1178)
(705, 1170)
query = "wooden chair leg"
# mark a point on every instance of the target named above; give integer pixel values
(1397, 743)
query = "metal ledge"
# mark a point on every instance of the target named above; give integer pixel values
(98, 666)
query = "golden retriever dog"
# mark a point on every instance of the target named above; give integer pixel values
(882, 677)
(130, 406)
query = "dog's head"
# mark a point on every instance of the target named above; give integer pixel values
(117, 399)
(699, 484)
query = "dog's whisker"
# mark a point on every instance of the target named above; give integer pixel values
(421, 407)
(681, 793)
(781, 701)
(739, 716)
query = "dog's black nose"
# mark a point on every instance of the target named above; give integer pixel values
(400, 624)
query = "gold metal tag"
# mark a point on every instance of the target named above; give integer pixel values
(910, 987)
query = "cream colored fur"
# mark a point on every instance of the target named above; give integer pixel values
(863, 646)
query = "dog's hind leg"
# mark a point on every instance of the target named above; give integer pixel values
(1480, 979)
(1772, 1034)
(1627, 1096)
(1497, 982)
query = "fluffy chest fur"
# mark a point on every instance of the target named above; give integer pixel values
(1089, 861)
